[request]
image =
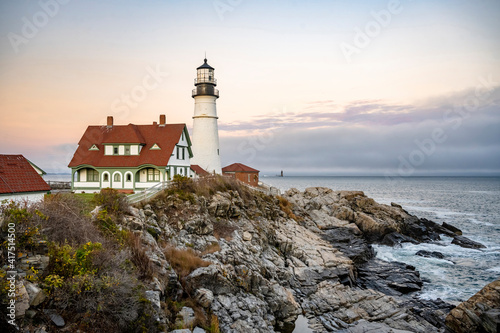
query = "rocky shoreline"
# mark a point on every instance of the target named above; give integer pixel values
(309, 254)
(314, 258)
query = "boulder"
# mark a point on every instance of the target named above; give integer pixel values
(391, 278)
(453, 229)
(214, 277)
(199, 227)
(22, 299)
(467, 243)
(36, 295)
(55, 317)
(480, 313)
(429, 254)
(204, 297)
(185, 317)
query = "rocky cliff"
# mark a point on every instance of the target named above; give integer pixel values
(246, 261)
(303, 253)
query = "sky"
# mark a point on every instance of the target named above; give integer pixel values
(391, 88)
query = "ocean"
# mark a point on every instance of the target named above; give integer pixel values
(469, 203)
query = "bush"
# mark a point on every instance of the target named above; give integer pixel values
(112, 201)
(139, 257)
(66, 220)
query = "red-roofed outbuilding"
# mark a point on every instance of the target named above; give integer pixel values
(19, 180)
(130, 157)
(243, 173)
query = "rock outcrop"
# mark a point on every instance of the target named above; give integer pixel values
(313, 258)
(480, 313)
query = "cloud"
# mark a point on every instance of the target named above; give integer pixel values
(455, 135)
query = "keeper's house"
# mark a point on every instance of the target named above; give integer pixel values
(130, 157)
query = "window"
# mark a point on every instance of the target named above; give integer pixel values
(249, 178)
(180, 153)
(127, 150)
(92, 175)
(117, 177)
(106, 177)
(153, 175)
(129, 177)
(115, 150)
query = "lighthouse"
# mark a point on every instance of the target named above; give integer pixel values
(205, 138)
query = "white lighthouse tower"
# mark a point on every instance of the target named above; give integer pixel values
(205, 138)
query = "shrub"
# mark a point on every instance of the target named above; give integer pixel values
(139, 257)
(66, 220)
(112, 201)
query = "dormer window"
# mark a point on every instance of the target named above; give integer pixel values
(115, 150)
(94, 147)
(127, 150)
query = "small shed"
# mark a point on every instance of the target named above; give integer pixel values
(198, 171)
(19, 180)
(243, 173)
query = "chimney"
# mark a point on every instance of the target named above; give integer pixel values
(163, 120)
(110, 121)
(155, 123)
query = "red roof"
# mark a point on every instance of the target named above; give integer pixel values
(238, 167)
(17, 175)
(166, 137)
(199, 170)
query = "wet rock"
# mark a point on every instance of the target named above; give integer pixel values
(350, 243)
(429, 254)
(480, 313)
(395, 239)
(453, 229)
(467, 243)
(391, 278)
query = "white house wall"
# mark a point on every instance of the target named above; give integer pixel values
(24, 197)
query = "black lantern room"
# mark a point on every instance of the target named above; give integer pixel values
(205, 81)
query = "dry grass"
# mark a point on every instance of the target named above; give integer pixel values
(184, 261)
(209, 185)
(287, 207)
(139, 257)
(214, 247)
